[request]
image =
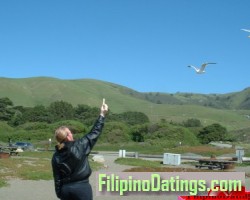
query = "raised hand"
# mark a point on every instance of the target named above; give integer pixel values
(104, 108)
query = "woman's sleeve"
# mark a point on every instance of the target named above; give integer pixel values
(56, 176)
(89, 140)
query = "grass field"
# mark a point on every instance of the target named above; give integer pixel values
(30, 166)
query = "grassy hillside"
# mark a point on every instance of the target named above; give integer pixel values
(172, 107)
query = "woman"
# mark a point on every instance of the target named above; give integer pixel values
(70, 164)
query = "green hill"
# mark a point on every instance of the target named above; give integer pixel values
(228, 109)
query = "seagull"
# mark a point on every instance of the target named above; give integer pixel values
(201, 70)
(246, 31)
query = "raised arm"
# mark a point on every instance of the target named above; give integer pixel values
(89, 140)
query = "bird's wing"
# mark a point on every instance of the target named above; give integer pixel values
(196, 69)
(245, 30)
(205, 64)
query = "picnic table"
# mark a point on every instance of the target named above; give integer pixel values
(215, 163)
(11, 150)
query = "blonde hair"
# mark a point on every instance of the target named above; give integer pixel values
(61, 133)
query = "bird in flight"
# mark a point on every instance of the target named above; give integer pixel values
(201, 70)
(246, 31)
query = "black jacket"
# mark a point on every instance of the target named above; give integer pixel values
(70, 164)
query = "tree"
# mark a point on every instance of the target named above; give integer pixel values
(61, 110)
(213, 132)
(192, 123)
(138, 132)
(115, 132)
(37, 114)
(5, 102)
(6, 111)
(17, 119)
(133, 118)
(86, 114)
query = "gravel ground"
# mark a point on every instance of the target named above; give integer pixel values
(44, 190)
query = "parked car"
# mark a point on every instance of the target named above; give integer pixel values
(24, 145)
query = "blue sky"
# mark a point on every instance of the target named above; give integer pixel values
(145, 45)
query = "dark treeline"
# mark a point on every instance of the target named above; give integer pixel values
(39, 122)
(59, 111)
